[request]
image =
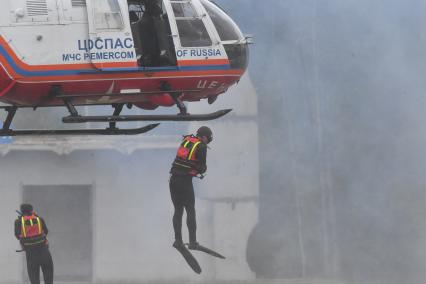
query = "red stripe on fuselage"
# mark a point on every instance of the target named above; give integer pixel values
(132, 76)
(203, 62)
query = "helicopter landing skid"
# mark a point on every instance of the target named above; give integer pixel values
(123, 118)
(7, 131)
(107, 131)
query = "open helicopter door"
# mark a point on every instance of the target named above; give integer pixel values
(110, 45)
(152, 35)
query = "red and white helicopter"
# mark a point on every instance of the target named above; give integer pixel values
(143, 53)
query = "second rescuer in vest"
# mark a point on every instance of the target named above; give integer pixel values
(190, 161)
(31, 231)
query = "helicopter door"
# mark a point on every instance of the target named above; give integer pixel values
(192, 32)
(110, 45)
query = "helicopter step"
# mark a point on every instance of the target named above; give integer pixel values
(122, 118)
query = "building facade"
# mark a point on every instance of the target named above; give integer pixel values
(106, 200)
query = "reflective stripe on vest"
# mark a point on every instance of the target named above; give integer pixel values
(186, 144)
(182, 165)
(193, 150)
(23, 227)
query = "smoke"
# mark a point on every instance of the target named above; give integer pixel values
(341, 116)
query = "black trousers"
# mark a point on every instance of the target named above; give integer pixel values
(182, 193)
(37, 258)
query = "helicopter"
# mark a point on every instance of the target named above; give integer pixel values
(122, 53)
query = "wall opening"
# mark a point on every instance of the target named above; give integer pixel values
(67, 210)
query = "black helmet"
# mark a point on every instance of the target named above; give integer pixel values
(205, 131)
(26, 208)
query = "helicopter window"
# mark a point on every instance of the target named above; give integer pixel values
(183, 9)
(225, 26)
(107, 15)
(193, 33)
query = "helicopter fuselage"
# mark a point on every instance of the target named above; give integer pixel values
(117, 51)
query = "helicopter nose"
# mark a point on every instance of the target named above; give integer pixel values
(237, 55)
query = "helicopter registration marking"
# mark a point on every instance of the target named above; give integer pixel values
(206, 84)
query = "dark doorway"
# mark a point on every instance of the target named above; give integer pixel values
(67, 210)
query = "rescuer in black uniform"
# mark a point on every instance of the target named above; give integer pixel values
(31, 231)
(190, 161)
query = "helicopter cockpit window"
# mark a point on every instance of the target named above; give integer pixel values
(107, 15)
(225, 26)
(192, 31)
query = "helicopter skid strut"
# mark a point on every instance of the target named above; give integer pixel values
(75, 117)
